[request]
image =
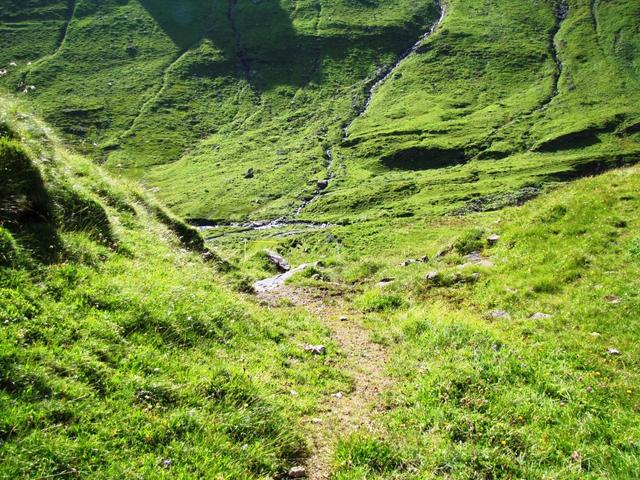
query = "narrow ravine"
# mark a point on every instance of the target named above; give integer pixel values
(384, 74)
(340, 413)
(561, 11)
(381, 76)
(322, 184)
(241, 54)
(72, 5)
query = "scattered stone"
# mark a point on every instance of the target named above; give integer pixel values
(166, 463)
(338, 395)
(485, 263)
(539, 316)
(445, 251)
(477, 260)
(500, 314)
(424, 259)
(323, 184)
(432, 276)
(297, 472)
(278, 260)
(406, 263)
(315, 349)
(614, 351)
(293, 393)
(613, 300)
(474, 257)
(3, 72)
(493, 239)
(250, 173)
(595, 334)
(343, 318)
(13, 64)
(385, 281)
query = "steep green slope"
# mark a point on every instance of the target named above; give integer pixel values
(521, 361)
(121, 354)
(148, 81)
(504, 97)
(190, 97)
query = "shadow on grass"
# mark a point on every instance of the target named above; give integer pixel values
(259, 38)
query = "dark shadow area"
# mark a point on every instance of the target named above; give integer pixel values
(424, 158)
(25, 206)
(570, 141)
(593, 166)
(258, 40)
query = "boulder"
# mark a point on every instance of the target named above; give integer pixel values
(500, 315)
(493, 239)
(315, 349)
(278, 261)
(433, 276)
(297, 472)
(250, 173)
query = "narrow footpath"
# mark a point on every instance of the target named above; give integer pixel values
(339, 413)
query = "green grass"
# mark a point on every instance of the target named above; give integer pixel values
(121, 348)
(126, 356)
(477, 397)
(188, 98)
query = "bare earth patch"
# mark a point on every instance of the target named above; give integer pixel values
(339, 413)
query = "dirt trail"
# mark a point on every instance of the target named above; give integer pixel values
(339, 413)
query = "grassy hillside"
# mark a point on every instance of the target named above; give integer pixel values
(518, 363)
(132, 346)
(522, 363)
(208, 78)
(121, 354)
(191, 97)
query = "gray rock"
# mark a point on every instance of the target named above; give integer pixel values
(250, 173)
(614, 351)
(315, 349)
(500, 314)
(434, 275)
(323, 184)
(539, 316)
(473, 257)
(493, 239)
(297, 472)
(476, 259)
(278, 260)
(613, 300)
(343, 318)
